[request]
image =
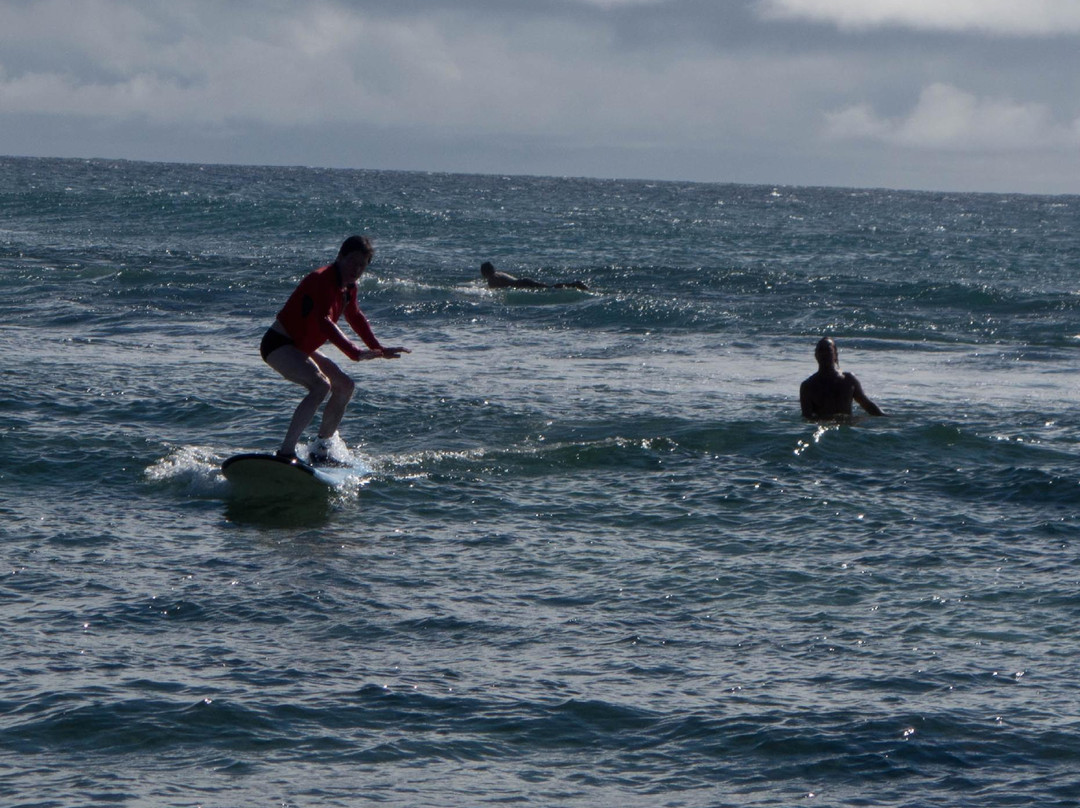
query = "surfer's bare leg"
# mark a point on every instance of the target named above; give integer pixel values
(298, 367)
(341, 392)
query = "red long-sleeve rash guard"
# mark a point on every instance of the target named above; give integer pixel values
(318, 301)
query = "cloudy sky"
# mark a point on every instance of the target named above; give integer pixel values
(980, 95)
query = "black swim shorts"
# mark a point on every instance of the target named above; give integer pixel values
(271, 341)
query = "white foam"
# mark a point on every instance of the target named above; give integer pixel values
(196, 468)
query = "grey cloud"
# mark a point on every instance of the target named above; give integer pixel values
(679, 89)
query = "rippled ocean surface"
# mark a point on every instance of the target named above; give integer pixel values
(600, 560)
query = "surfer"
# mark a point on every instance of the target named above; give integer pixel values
(501, 280)
(830, 392)
(306, 322)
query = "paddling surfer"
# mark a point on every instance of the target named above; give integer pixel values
(306, 322)
(501, 280)
(829, 393)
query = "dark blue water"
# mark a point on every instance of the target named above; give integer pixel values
(599, 558)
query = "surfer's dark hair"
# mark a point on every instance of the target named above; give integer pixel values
(356, 244)
(825, 351)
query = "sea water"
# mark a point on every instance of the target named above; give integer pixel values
(599, 558)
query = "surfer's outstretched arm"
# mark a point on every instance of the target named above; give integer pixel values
(861, 397)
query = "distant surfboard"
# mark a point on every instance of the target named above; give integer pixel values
(543, 297)
(267, 475)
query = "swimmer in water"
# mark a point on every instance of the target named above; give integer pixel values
(829, 393)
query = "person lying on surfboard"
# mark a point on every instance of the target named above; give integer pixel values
(829, 393)
(501, 280)
(306, 322)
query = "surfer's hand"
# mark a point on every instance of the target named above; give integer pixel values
(394, 353)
